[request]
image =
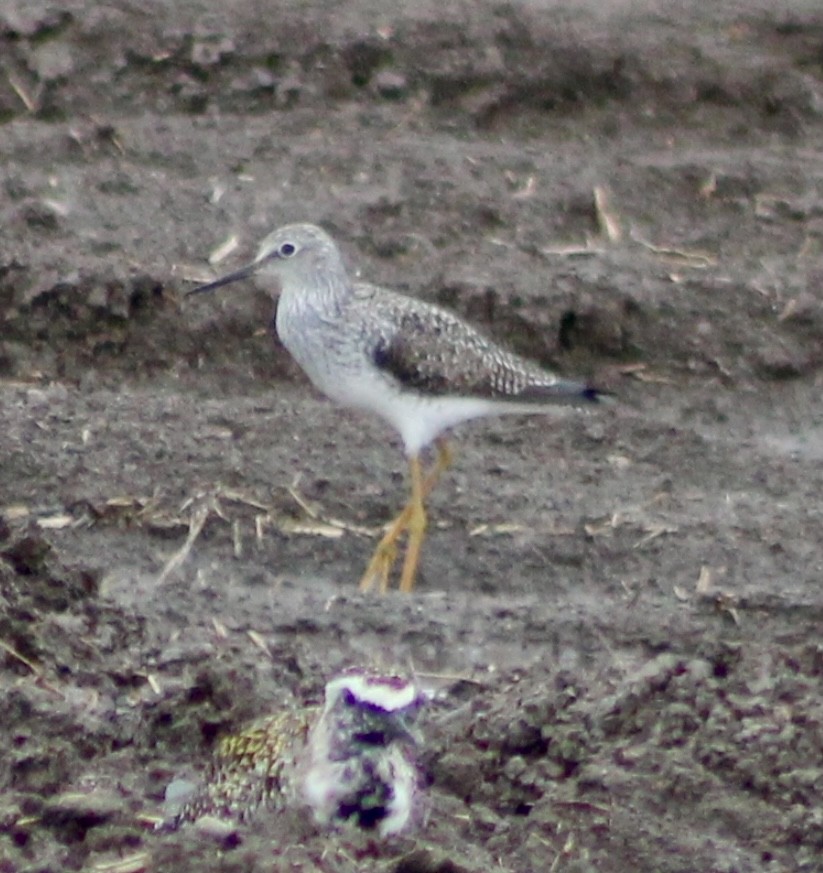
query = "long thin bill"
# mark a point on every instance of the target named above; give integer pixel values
(243, 273)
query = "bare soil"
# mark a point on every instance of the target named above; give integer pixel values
(620, 612)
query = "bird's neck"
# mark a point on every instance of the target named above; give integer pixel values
(323, 291)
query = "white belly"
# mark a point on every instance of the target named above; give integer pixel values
(417, 419)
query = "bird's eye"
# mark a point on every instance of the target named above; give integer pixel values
(287, 250)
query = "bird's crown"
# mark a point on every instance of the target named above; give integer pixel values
(293, 240)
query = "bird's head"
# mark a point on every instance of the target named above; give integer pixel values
(289, 255)
(371, 709)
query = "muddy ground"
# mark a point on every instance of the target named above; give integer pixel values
(620, 612)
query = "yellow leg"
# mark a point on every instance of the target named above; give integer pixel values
(385, 554)
(416, 526)
(443, 462)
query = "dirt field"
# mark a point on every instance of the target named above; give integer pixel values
(620, 612)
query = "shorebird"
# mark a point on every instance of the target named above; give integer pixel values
(352, 761)
(418, 366)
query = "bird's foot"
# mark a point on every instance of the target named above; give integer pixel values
(380, 566)
(412, 520)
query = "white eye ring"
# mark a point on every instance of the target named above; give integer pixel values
(287, 250)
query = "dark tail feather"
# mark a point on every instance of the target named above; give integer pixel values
(597, 395)
(565, 391)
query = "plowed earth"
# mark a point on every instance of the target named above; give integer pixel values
(620, 612)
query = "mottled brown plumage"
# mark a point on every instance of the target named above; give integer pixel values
(432, 352)
(252, 768)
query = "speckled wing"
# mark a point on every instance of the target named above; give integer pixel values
(251, 768)
(433, 352)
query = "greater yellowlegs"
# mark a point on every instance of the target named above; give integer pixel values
(420, 367)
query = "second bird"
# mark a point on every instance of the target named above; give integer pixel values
(421, 368)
